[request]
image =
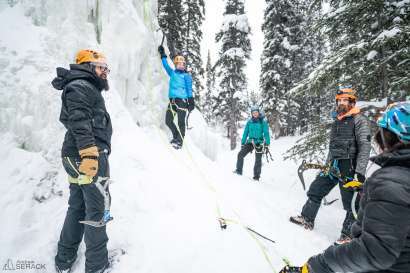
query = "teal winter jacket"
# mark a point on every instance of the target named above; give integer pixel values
(256, 130)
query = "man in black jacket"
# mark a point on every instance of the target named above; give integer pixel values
(349, 151)
(381, 235)
(85, 151)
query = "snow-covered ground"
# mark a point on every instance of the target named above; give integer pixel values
(165, 208)
(166, 203)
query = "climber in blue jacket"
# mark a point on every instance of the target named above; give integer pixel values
(180, 96)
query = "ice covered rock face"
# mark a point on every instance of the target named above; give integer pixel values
(38, 35)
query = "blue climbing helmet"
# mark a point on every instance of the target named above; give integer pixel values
(254, 109)
(396, 119)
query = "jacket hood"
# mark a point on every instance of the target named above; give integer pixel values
(76, 72)
(395, 158)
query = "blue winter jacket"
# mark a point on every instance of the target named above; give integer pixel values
(256, 130)
(180, 82)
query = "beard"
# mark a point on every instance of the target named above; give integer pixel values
(343, 109)
(102, 83)
(106, 86)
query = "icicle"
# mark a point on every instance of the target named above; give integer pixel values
(95, 18)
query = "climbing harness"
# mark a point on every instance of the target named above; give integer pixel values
(326, 170)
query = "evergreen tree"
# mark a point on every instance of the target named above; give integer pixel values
(194, 13)
(282, 62)
(369, 49)
(312, 53)
(207, 101)
(170, 19)
(236, 48)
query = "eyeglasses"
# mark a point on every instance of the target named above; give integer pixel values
(103, 67)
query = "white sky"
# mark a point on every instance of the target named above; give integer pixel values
(213, 21)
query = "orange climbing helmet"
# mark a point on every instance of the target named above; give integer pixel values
(89, 56)
(346, 92)
(179, 59)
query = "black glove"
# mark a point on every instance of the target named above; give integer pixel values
(191, 104)
(161, 52)
(360, 177)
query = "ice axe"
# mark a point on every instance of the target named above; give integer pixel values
(102, 186)
(163, 38)
(326, 169)
(268, 154)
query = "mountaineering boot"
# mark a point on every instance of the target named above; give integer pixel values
(302, 221)
(256, 178)
(107, 268)
(177, 144)
(173, 141)
(58, 270)
(114, 257)
(62, 264)
(237, 172)
(344, 239)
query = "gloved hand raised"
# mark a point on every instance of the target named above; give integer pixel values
(161, 51)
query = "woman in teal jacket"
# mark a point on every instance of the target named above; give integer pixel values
(255, 136)
(180, 96)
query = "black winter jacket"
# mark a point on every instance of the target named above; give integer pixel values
(381, 235)
(351, 138)
(83, 111)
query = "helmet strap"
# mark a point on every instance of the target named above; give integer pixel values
(383, 139)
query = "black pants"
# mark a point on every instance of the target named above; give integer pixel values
(246, 149)
(321, 187)
(85, 203)
(177, 107)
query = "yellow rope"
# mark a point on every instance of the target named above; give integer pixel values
(222, 220)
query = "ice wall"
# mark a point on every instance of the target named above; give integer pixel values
(37, 36)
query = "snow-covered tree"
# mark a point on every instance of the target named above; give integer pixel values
(207, 100)
(282, 62)
(369, 49)
(194, 13)
(236, 48)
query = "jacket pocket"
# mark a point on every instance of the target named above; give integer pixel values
(101, 119)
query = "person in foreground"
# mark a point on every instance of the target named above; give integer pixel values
(381, 236)
(85, 151)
